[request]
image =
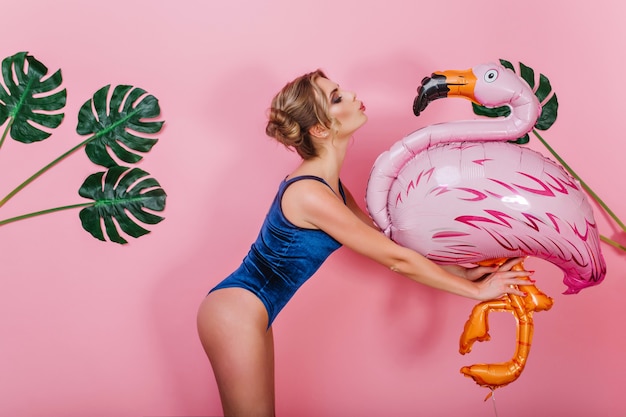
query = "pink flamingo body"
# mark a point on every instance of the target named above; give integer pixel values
(458, 193)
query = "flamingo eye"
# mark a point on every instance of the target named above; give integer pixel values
(491, 76)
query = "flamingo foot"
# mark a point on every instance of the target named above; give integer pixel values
(538, 302)
(472, 334)
(494, 375)
(476, 327)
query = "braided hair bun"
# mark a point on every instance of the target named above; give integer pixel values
(295, 110)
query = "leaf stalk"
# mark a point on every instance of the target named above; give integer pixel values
(6, 132)
(42, 212)
(43, 170)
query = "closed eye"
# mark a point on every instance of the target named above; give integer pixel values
(334, 96)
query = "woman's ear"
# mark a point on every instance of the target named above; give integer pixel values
(319, 131)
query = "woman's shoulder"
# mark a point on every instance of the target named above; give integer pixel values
(304, 196)
(300, 177)
(306, 185)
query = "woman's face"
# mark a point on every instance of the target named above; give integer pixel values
(343, 107)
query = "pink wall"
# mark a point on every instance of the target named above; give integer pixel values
(92, 328)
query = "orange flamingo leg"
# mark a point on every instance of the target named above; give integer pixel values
(477, 329)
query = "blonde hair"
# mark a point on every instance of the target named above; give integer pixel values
(300, 105)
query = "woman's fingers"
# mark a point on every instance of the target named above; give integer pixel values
(510, 264)
(507, 282)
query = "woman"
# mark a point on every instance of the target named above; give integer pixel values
(312, 215)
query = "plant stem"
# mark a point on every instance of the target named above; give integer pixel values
(6, 132)
(43, 170)
(612, 243)
(39, 213)
(588, 190)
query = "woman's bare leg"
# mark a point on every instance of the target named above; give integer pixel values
(232, 326)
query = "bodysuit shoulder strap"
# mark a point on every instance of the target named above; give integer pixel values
(290, 181)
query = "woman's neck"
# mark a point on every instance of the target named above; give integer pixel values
(326, 165)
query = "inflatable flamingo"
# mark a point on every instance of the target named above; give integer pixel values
(459, 192)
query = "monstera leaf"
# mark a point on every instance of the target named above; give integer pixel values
(29, 101)
(118, 121)
(543, 91)
(111, 121)
(118, 194)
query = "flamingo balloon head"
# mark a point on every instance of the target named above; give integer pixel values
(488, 85)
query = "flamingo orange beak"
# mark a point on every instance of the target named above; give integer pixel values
(444, 84)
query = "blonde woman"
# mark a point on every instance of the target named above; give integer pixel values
(312, 215)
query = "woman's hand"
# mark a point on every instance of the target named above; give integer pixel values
(474, 273)
(479, 272)
(493, 281)
(500, 280)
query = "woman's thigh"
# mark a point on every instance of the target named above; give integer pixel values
(232, 325)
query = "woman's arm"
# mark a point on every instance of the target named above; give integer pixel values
(314, 204)
(357, 210)
(470, 273)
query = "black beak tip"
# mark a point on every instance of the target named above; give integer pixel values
(420, 102)
(432, 88)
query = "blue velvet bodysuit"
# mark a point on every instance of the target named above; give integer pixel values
(283, 256)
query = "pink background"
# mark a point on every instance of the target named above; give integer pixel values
(92, 328)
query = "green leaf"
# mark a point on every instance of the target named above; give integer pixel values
(4, 113)
(544, 88)
(527, 74)
(28, 100)
(506, 64)
(521, 141)
(112, 121)
(548, 114)
(120, 193)
(491, 111)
